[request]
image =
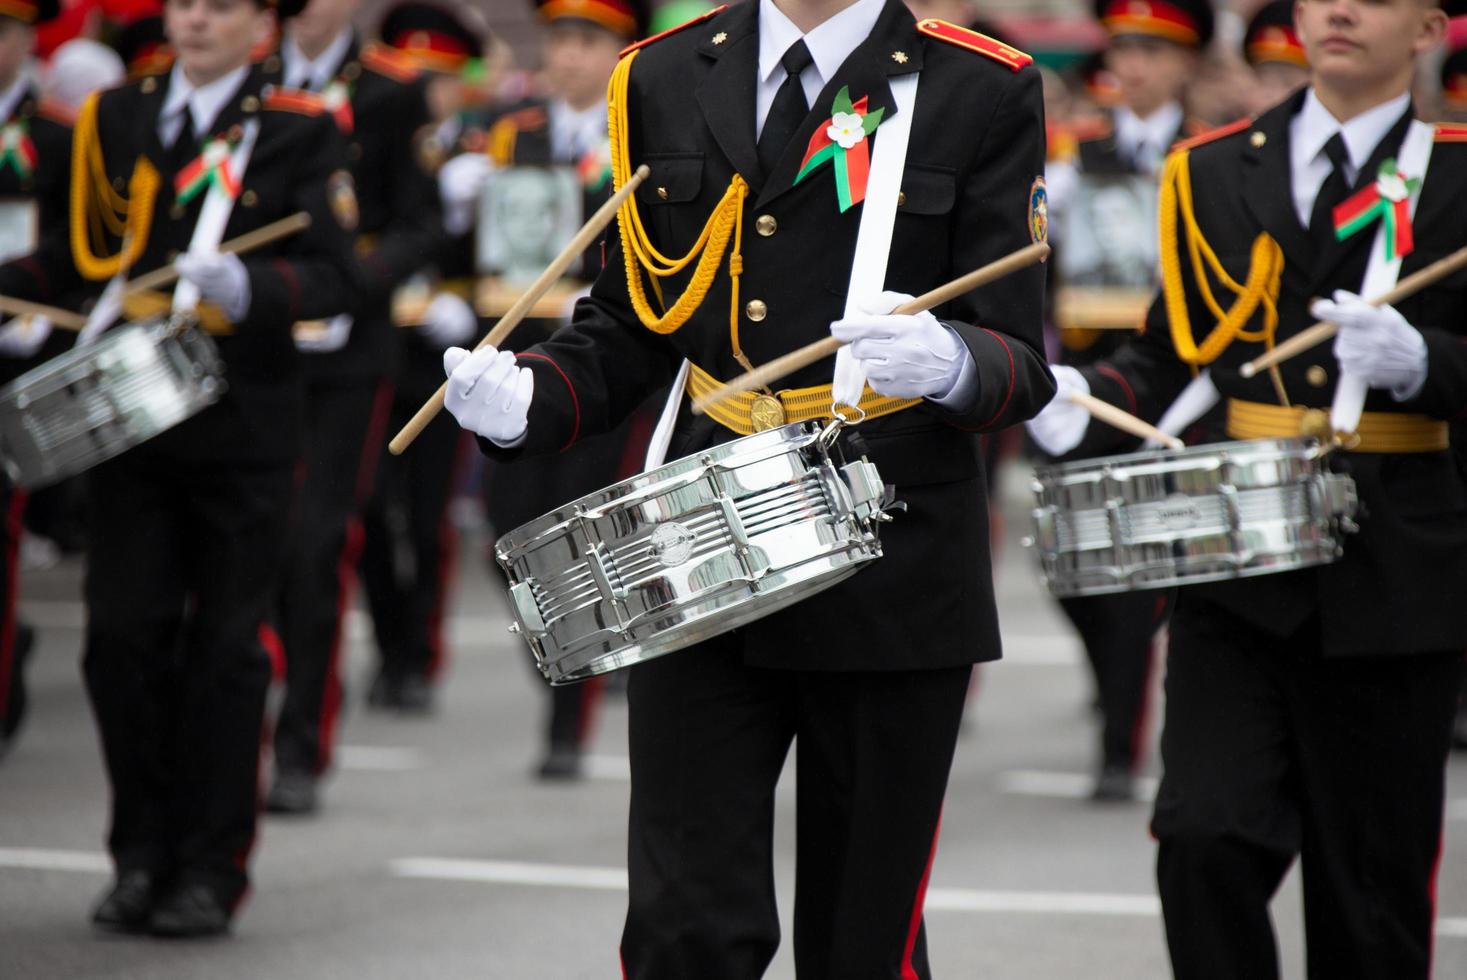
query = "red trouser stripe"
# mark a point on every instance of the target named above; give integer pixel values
(909, 972)
(7, 616)
(447, 559)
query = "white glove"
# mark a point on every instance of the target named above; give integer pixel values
(901, 355)
(1062, 424)
(331, 336)
(489, 394)
(448, 322)
(23, 336)
(460, 182)
(1375, 343)
(221, 278)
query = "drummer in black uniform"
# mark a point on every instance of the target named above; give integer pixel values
(1308, 713)
(37, 146)
(188, 530)
(377, 99)
(872, 673)
(1153, 52)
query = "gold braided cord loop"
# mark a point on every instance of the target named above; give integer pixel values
(99, 212)
(638, 251)
(1265, 272)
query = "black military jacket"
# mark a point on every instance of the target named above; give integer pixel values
(48, 186)
(400, 222)
(976, 148)
(298, 164)
(1399, 586)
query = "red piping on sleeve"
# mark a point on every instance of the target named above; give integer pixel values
(1010, 392)
(575, 402)
(1119, 379)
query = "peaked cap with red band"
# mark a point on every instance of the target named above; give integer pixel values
(1454, 81)
(1185, 22)
(625, 18)
(1270, 37)
(433, 37)
(30, 11)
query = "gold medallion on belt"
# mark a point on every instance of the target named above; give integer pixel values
(767, 412)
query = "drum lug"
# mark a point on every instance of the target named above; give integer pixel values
(527, 611)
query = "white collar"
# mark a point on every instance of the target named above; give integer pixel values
(319, 71)
(1314, 125)
(11, 97)
(205, 102)
(1157, 129)
(830, 43)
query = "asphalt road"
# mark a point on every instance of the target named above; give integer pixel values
(437, 854)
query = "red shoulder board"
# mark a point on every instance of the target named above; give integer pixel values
(294, 100)
(1236, 126)
(973, 41)
(1448, 133)
(672, 30)
(1092, 128)
(57, 112)
(387, 61)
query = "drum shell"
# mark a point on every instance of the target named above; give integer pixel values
(688, 551)
(93, 403)
(1207, 513)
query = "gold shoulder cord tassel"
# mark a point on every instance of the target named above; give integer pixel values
(724, 224)
(98, 212)
(1265, 272)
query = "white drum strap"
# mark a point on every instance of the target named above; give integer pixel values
(214, 215)
(1381, 275)
(873, 245)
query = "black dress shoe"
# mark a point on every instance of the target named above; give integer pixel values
(561, 764)
(293, 792)
(414, 695)
(127, 904)
(187, 912)
(1114, 785)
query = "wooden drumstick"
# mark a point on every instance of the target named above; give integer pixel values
(62, 319)
(525, 303)
(1320, 332)
(1123, 420)
(788, 364)
(250, 240)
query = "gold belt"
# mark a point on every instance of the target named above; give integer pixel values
(151, 303)
(751, 412)
(1379, 432)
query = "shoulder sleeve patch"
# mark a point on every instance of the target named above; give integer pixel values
(388, 62)
(294, 100)
(1236, 126)
(973, 41)
(673, 30)
(1449, 133)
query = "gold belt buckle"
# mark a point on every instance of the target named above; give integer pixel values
(1315, 423)
(766, 413)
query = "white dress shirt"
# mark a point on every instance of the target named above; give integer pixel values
(314, 74)
(830, 44)
(575, 133)
(1309, 165)
(10, 98)
(1145, 142)
(203, 103)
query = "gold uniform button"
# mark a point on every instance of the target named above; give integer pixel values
(766, 225)
(149, 85)
(249, 104)
(249, 199)
(1317, 376)
(1258, 139)
(756, 310)
(662, 193)
(901, 198)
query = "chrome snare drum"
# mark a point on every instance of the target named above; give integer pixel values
(94, 402)
(690, 550)
(1177, 517)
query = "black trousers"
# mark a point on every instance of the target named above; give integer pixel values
(407, 564)
(708, 738)
(343, 438)
(1272, 752)
(12, 681)
(1119, 632)
(185, 559)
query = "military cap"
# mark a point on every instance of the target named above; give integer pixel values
(624, 18)
(436, 37)
(143, 47)
(1185, 22)
(1454, 81)
(1270, 36)
(30, 11)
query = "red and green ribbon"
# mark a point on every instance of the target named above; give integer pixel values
(1389, 199)
(337, 99)
(852, 165)
(593, 169)
(211, 166)
(16, 149)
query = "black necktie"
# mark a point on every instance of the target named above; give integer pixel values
(1333, 191)
(788, 109)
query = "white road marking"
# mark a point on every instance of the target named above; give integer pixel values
(40, 859)
(1457, 810)
(608, 768)
(1452, 928)
(1041, 903)
(1062, 785)
(511, 873)
(1041, 650)
(378, 758)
